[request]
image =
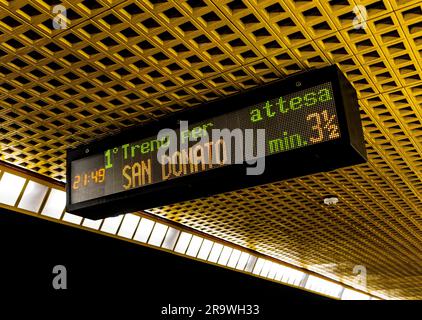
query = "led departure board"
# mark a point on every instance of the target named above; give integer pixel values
(299, 125)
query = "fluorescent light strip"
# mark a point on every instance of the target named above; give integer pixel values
(295, 278)
(290, 275)
(234, 258)
(243, 260)
(183, 242)
(266, 268)
(33, 196)
(251, 263)
(225, 256)
(350, 294)
(144, 230)
(72, 218)
(194, 246)
(205, 250)
(258, 266)
(215, 252)
(273, 271)
(279, 273)
(92, 224)
(128, 226)
(323, 286)
(158, 234)
(170, 238)
(111, 225)
(10, 188)
(55, 204)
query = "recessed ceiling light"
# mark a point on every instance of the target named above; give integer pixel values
(330, 200)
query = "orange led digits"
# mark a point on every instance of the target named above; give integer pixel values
(88, 178)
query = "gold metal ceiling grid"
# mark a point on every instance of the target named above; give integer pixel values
(121, 63)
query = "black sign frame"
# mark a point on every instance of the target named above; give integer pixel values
(348, 150)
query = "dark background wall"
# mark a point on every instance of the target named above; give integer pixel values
(104, 269)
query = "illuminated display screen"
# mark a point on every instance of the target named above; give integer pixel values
(295, 120)
(292, 121)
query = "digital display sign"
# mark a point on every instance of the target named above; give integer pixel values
(291, 123)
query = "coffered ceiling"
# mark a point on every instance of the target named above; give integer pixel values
(116, 64)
